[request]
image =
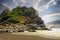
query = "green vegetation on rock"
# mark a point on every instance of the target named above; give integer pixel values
(22, 15)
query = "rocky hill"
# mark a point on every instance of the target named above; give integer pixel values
(21, 15)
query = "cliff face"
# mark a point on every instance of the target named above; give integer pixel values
(21, 15)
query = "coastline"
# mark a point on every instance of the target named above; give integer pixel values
(8, 36)
(45, 34)
(48, 35)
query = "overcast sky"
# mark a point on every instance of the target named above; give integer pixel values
(49, 10)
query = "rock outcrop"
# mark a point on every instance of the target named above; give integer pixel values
(21, 15)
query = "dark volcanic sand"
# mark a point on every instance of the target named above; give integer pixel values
(8, 36)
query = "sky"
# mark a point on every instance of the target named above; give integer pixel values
(49, 10)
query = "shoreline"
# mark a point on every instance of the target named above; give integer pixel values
(43, 34)
(8, 36)
(40, 34)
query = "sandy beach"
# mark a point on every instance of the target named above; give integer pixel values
(8, 36)
(42, 35)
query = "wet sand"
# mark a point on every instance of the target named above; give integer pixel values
(8, 36)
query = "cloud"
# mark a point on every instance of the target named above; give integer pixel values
(46, 6)
(50, 3)
(36, 3)
(55, 11)
(40, 5)
(52, 14)
(28, 3)
(4, 4)
(15, 2)
(51, 17)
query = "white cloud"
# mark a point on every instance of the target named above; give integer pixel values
(50, 3)
(45, 6)
(52, 14)
(49, 17)
(4, 4)
(15, 2)
(36, 3)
